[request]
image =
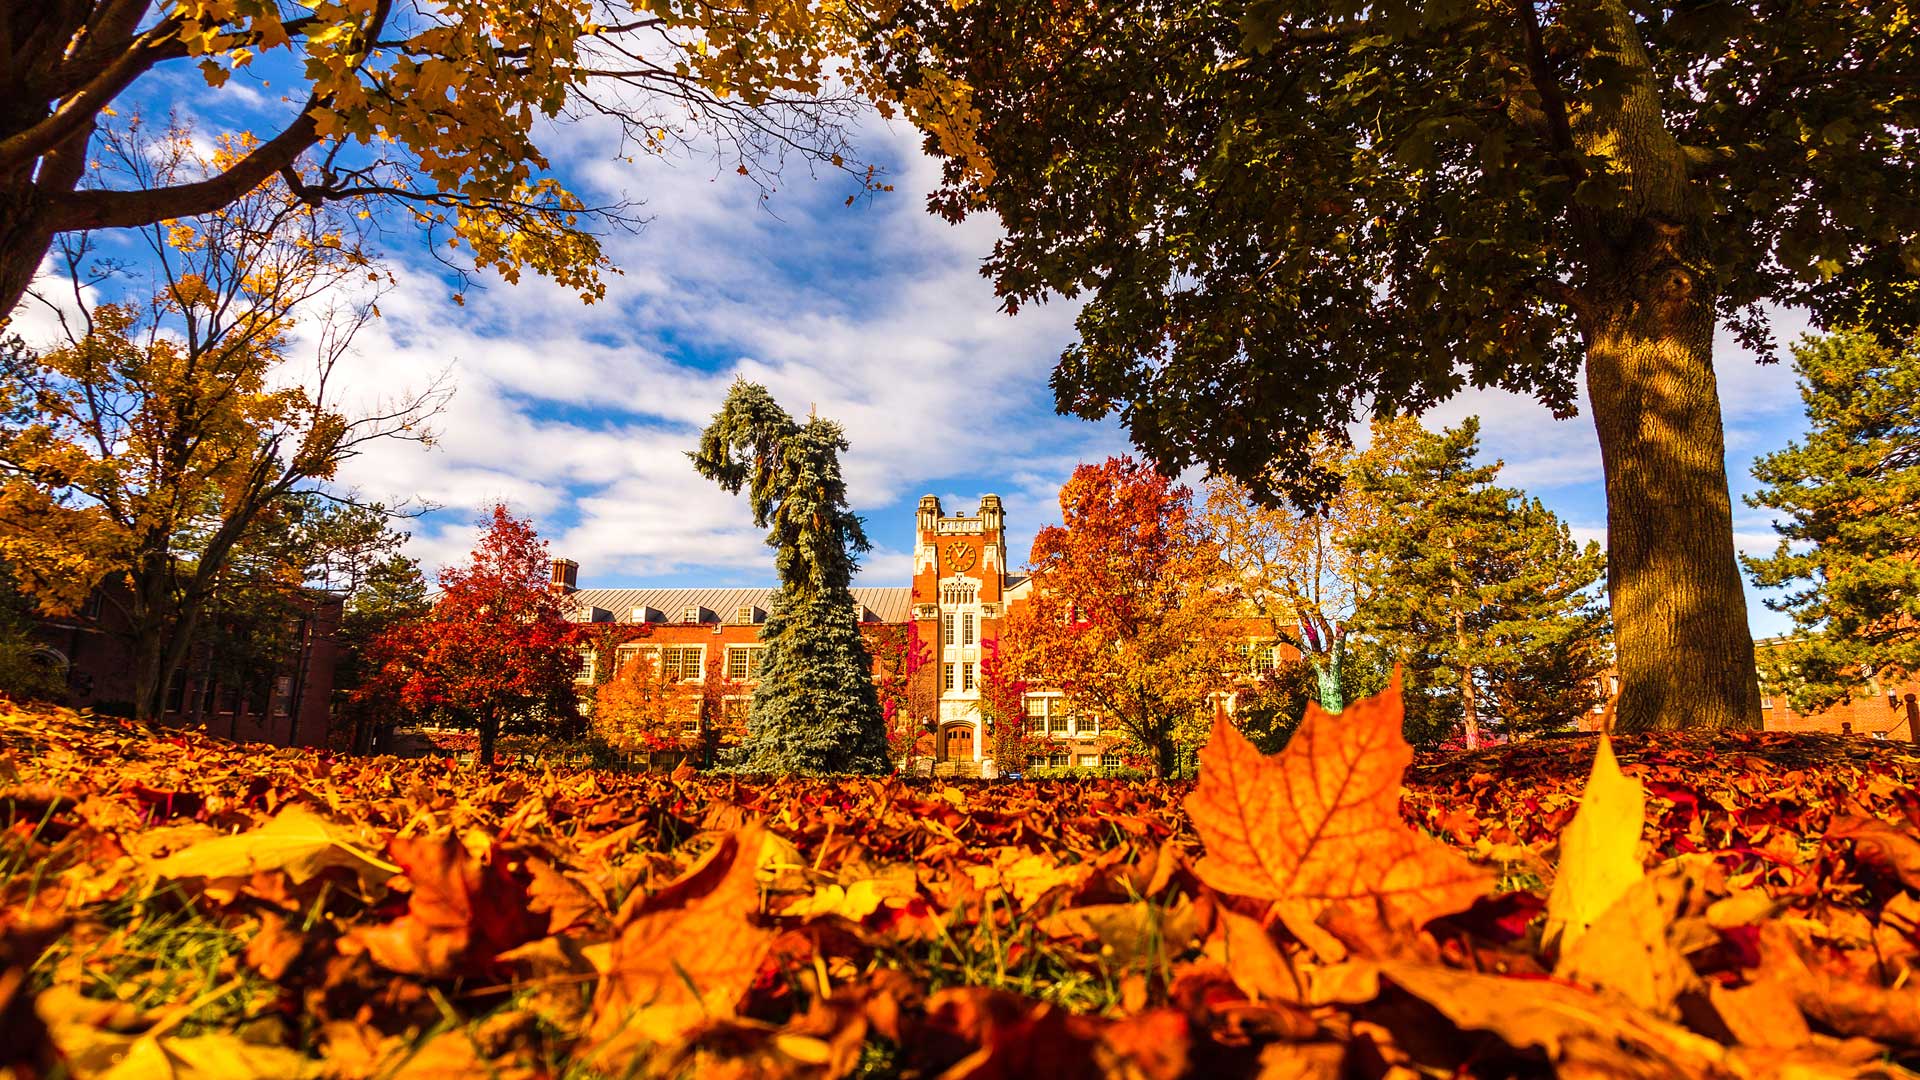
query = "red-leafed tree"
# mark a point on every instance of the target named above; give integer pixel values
(1003, 708)
(903, 676)
(1132, 610)
(496, 652)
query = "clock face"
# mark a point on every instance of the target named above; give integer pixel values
(961, 556)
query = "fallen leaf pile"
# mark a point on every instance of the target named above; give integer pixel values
(1738, 906)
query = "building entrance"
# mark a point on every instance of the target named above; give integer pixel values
(957, 743)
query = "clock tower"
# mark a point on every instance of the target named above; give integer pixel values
(959, 598)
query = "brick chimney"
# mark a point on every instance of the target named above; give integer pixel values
(566, 576)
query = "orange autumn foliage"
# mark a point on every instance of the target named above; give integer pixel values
(423, 919)
(1318, 825)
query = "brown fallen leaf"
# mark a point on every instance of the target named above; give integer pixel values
(686, 952)
(1632, 950)
(274, 947)
(1319, 823)
(1129, 933)
(463, 912)
(1885, 847)
(1242, 946)
(1580, 1033)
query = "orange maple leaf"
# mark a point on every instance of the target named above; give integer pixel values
(1319, 824)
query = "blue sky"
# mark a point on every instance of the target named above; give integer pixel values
(874, 314)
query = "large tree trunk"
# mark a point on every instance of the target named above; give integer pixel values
(1684, 650)
(1469, 699)
(489, 733)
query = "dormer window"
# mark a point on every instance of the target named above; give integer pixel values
(746, 615)
(690, 614)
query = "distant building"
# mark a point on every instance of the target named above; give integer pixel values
(963, 586)
(290, 705)
(1878, 709)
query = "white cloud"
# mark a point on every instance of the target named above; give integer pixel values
(876, 316)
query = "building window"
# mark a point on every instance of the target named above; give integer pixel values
(1766, 700)
(745, 615)
(956, 595)
(1088, 761)
(743, 662)
(1110, 760)
(946, 671)
(946, 628)
(1060, 759)
(966, 675)
(679, 663)
(623, 656)
(1265, 658)
(684, 663)
(1048, 713)
(583, 667)
(968, 627)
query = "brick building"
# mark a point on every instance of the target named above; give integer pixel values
(1877, 710)
(291, 705)
(964, 583)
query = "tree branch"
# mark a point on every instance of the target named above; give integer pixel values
(104, 209)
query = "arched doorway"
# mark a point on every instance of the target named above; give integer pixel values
(956, 743)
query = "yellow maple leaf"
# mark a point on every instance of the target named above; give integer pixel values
(1599, 850)
(297, 841)
(1319, 823)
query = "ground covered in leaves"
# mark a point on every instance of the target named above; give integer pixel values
(172, 905)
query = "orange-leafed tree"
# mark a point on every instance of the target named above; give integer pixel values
(495, 655)
(155, 439)
(1131, 615)
(438, 109)
(641, 707)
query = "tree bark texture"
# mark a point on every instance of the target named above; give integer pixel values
(1685, 653)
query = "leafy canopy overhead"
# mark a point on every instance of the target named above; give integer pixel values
(1282, 212)
(440, 108)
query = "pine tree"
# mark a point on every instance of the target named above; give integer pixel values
(1482, 595)
(815, 711)
(1545, 634)
(1849, 551)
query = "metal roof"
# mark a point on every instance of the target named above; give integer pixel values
(891, 604)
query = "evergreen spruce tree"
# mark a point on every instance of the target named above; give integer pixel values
(1850, 543)
(815, 711)
(1481, 594)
